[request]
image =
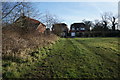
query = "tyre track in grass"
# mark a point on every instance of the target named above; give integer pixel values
(89, 63)
(69, 62)
(45, 69)
(69, 58)
(61, 61)
(85, 61)
(95, 51)
(110, 65)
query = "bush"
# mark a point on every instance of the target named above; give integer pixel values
(18, 42)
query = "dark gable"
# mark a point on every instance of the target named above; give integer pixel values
(78, 29)
(60, 29)
(79, 25)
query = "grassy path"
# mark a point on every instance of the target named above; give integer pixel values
(82, 58)
(77, 58)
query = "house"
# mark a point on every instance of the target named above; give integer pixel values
(78, 29)
(29, 23)
(60, 29)
(41, 28)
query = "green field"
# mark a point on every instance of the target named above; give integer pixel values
(69, 58)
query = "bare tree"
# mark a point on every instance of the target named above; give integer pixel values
(13, 10)
(50, 19)
(105, 21)
(7, 8)
(113, 20)
(88, 23)
(8, 12)
(109, 18)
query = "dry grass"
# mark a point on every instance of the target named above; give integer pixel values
(18, 41)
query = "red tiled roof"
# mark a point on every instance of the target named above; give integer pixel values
(77, 24)
(42, 24)
(28, 19)
(35, 21)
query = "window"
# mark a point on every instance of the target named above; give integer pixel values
(82, 28)
(73, 34)
(73, 28)
(77, 28)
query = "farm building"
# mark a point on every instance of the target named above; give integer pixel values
(60, 29)
(30, 23)
(78, 29)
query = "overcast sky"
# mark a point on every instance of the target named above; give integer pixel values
(71, 12)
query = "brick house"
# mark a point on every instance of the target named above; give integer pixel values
(78, 29)
(41, 28)
(60, 29)
(30, 23)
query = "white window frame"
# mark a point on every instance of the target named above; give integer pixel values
(77, 28)
(73, 28)
(82, 29)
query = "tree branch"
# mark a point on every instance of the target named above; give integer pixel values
(11, 10)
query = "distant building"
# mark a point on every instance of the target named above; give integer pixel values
(78, 29)
(41, 28)
(60, 29)
(30, 23)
